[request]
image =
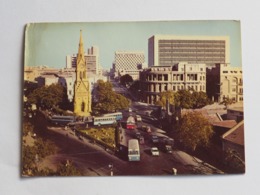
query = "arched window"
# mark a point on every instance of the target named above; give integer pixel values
(82, 106)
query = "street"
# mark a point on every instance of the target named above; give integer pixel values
(95, 160)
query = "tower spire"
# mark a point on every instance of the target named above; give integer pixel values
(81, 49)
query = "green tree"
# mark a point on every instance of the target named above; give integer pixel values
(126, 80)
(164, 96)
(107, 99)
(195, 130)
(183, 98)
(48, 96)
(200, 99)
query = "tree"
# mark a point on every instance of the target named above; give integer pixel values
(108, 100)
(195, 130)
(200, 99)
(164, 96)
(126, 80)
(183, 99)
(48, 96)
(227, 101)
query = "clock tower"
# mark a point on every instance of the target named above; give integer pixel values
(82, 94)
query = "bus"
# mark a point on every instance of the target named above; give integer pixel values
(104, 120)
(133, 150)
(118, 115)
(130, 123)
(62, 120)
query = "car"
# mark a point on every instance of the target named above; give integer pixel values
(168, 148)
(141, 139)
(137, 135)
(155, 151)
(138, 118)
(155, 139)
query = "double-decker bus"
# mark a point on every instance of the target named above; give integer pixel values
(62, 120)
(104, 120)
(118, 115)
(133, 150)
(130, 123)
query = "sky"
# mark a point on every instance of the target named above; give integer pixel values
(49, 43)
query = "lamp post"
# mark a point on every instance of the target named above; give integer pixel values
(111, 166)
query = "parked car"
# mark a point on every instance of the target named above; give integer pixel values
(155, 151)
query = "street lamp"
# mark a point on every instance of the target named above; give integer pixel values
(111, 166)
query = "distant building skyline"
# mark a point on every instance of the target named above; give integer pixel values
(49, 43)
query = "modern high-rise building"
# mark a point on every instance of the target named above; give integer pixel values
(91, 59)
(166, 50)
(128, 62)
(157, 79)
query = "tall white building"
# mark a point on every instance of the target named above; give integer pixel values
(180, 76)
(91, 58)
(128, 62)
(166, 50)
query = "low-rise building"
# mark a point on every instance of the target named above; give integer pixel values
(183, 75)
(236, 113)
(234, 140)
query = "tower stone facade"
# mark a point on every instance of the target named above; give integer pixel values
(82, 94)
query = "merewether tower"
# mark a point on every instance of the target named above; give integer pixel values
(82, 94)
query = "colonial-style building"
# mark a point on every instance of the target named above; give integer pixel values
(183, 75)
(82, 94)
(225, 81)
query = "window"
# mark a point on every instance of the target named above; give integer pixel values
(82, 107)
(159, 77)
(165, 77)
(225, 72)
(173, 88)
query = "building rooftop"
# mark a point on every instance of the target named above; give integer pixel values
(226, 123)
(236, 134)
(239, 109)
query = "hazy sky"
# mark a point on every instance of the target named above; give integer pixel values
(49, 43)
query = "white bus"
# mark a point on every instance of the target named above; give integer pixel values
(118, 115)
(104, 120)
(133, 150)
